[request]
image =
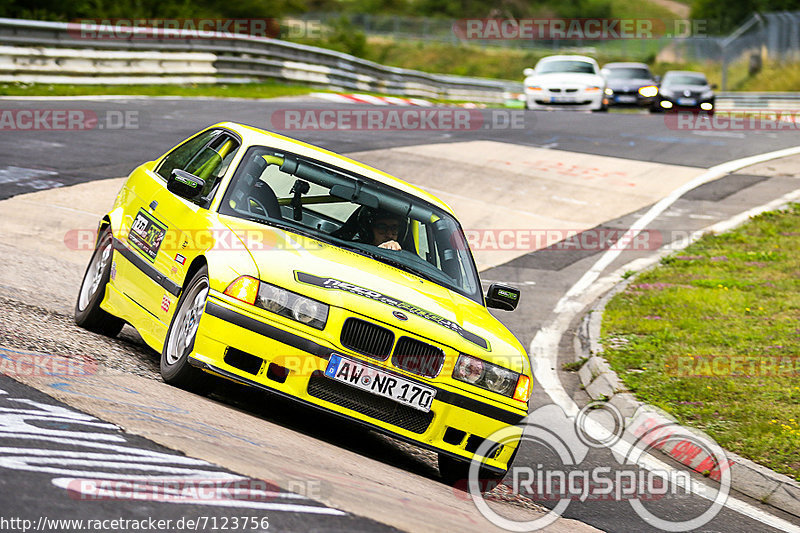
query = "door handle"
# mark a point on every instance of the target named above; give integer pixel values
(153, 205)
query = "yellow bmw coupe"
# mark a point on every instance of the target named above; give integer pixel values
(254, 257)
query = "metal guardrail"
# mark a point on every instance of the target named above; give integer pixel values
(777, 101)
(37, 50)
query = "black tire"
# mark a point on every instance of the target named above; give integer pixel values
(456, 472)
(88, 313)
(182, 332)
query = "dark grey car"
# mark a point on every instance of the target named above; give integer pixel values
(685, 90)
(629, 84)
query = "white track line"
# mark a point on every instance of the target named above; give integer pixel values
(544, 346)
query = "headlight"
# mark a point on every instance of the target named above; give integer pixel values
(469, 369)
(609, 91)
(492, 377)
(291, 305)
(310, 312)
(272, 298)
(648, 91)
(279, 301)
(534, 88)
(708, 94)
(592, 89)
(500, 380)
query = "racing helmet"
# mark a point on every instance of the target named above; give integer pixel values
(368, 216)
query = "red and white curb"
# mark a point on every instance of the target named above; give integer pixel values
(368, 99)
(544, 348)
(600, 381)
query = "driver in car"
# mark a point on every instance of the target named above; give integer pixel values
(381, 228)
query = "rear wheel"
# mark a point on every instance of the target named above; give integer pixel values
(179, 343)
(88, 313)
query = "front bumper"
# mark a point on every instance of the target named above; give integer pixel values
(681, 104)
(580, 100)
(246, 347)
(631, 99)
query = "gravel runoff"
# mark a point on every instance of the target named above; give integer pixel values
(31, 328)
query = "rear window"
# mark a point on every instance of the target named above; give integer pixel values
(566, 65)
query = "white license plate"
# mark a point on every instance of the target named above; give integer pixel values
(687, 101)
(626, 99)
(381, 383)
(561, 99)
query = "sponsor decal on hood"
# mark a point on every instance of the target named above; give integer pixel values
(335, 284)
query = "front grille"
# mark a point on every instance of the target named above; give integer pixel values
(418, 357)
(367, 338)
(369, 404)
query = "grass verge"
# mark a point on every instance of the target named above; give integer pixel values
(713, 337)
(245, 90)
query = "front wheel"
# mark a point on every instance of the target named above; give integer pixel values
(179, 343)
(88, 313)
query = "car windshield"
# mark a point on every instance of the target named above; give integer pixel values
(566, 65)
(685, 79)
(628, 74)
(353, 212)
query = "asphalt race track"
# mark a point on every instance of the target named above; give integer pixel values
(33, 161)
(138, 129)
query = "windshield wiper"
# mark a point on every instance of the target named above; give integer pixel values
(397, 264)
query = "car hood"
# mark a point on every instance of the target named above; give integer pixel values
(565, 78)
(692, 88)
(348, 280)
(632, 83)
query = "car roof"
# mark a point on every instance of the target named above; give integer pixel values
(626, 65)
(567, 57)
(685, 72)
(255, 136)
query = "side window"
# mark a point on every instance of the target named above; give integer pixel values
(207, 156)
(183, 154)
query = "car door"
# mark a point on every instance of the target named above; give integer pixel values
(190, 229)
(147, 232)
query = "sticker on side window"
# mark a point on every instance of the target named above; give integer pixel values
(146, 234)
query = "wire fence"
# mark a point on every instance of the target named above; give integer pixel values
(769, 36)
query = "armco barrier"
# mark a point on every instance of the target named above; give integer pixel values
(53, 52)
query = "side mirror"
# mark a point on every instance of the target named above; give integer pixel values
(502, 297)
(528, 72)
(657, 79)
(714, 86)
(185, 185)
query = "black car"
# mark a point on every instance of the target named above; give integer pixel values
(630, 84)
(684, 90)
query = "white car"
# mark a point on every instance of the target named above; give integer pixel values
(565, 82)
